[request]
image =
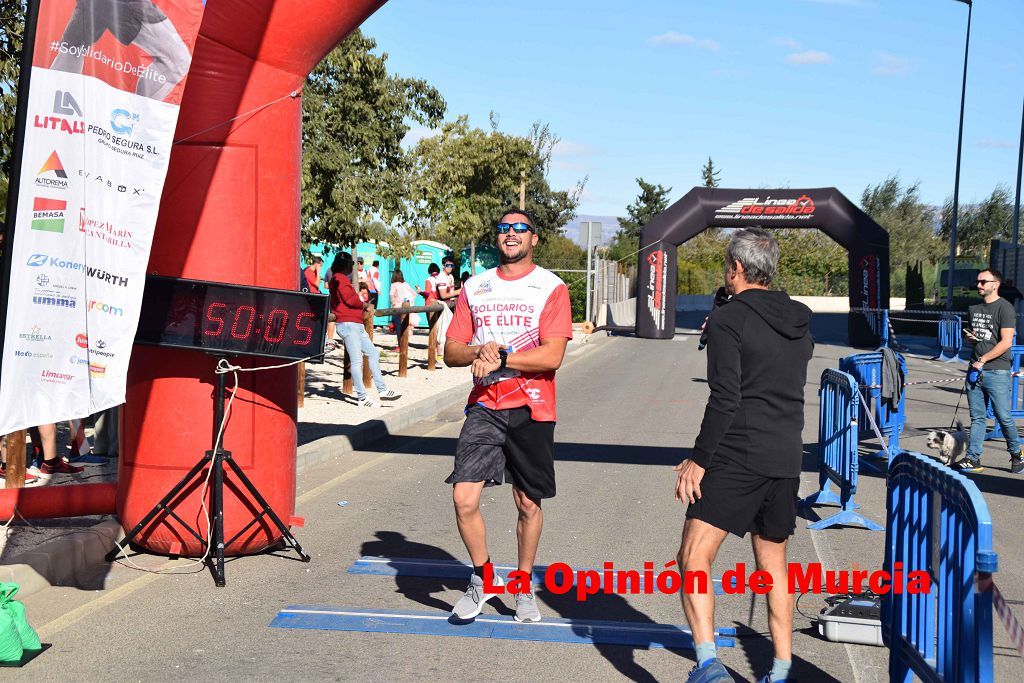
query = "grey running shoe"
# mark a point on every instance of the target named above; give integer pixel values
(390, 395)
(1016, 463)
(472, 603)
(526, 608)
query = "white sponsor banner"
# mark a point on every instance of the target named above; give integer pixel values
(94, 160)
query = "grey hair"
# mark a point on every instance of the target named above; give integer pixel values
(758, 251)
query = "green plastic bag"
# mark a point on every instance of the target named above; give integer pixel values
(16, 610)
(11, 648)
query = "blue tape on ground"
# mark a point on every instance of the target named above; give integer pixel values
(450, 569)
(582, 631)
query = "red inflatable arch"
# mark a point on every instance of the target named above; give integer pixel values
(229, 213)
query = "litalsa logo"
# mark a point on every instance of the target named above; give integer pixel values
(52, 174)
(104, 230)
(64, 105)
(775, 209)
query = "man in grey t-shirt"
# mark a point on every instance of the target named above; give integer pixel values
(991, 328)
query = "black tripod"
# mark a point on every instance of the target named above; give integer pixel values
(216, 459)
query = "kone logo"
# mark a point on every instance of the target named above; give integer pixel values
(52, 174)
(37, 260)
(123, 121)
(105, 308)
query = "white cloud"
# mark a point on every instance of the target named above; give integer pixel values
(673, 38)
(996, 144)
(787, 43)
(809, 57)
(891, 65)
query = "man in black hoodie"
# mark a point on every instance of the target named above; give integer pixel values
(744, 472)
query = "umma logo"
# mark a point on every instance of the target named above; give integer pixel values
(105, 308)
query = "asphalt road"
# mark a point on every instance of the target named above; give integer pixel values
(628, 411)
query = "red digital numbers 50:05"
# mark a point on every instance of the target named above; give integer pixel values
(246, 323)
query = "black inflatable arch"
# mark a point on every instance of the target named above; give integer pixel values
(701, 208)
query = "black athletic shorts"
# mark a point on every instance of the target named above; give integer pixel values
(737, 500)
(496, 445)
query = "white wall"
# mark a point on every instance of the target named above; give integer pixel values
(818, 304)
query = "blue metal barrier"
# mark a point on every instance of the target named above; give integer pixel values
(951, 338)
(938, 522)
(878, 321)
(866, 369)
(1016, 396)
(837, 451)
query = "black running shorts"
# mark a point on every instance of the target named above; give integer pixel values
(737, 500)
(496, 445)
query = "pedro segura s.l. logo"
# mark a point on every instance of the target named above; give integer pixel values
(769, 208)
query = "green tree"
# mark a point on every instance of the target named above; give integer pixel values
(12, 27)
(465, 176)
(898, 208)
(355, 173)
(978, 224)
(652, 200)
(710, 174)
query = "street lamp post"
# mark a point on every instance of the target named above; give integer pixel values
(956, 182)
(1016, 206)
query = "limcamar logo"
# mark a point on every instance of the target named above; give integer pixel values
(63, 376)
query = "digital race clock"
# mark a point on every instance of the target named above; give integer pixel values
(231, 319)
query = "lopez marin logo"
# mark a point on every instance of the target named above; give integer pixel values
(560, 579)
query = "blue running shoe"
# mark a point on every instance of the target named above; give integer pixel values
(713, 671)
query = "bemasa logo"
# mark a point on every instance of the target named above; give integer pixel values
(64, 105)
(123, 121)
(52, 174)
(48, 214)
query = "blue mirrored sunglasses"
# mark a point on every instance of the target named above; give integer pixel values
(503, 228)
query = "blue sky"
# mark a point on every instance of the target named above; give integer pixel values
(797, 93)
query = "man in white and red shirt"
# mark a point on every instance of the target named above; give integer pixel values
(511, 324)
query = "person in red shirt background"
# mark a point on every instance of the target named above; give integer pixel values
(348, 310)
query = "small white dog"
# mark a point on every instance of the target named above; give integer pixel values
(949, 444)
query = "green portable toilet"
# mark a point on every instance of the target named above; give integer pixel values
(486, 258)
(414, 268)
(379, 251)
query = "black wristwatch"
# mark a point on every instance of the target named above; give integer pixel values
(504, 358)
